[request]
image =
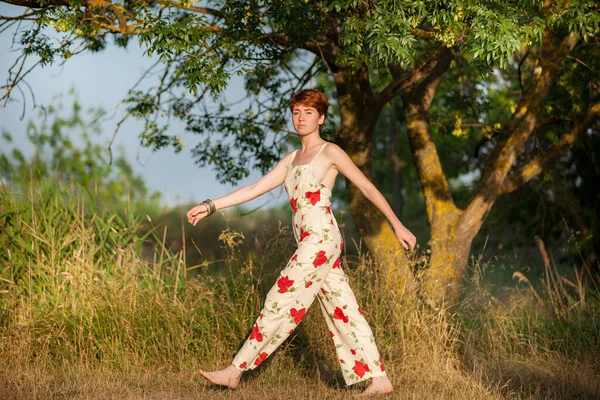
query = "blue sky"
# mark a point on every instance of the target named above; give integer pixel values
(102, 79)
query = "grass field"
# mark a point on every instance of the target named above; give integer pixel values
(85, 314)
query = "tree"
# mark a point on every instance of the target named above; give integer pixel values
(409, 45)
(66, 155)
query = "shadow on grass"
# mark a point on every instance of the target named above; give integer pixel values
(514, 380)
(312, 361)
(542, 384)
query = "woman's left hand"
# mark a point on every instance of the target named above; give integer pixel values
(196, 214)
(406, 238)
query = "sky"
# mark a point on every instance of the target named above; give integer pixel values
(103, 79)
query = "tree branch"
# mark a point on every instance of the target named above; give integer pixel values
(515, 133)
(537, 165)
(405, 79)
(37, 3)
(26, 16)
(323, 47)
(524, 120)
(417, 102)
(421, 34)
(432, 75)
(57, 3)
(519, 71)
(196, 9)
(117, 11)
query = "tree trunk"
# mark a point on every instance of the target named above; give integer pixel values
(397, 165)
(449, 255)
(449, 248)
(450, 237)
(358, 118)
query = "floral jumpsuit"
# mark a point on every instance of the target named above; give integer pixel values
(313, 271)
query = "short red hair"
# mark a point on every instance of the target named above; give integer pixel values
(310, 98)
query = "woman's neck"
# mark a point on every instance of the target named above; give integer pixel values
(311, 140)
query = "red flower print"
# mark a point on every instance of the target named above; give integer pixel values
(359, 311)
(381, 365)
(256, 334)
(353, 352)
(284, 283)
(303, 234)
(314, 197)
(331, 222)
(331, 333)
(360, 368)
(308, 284)
(341, 245)
(296, 187)
(262, 357)
(342, 361)
(291, 331)
(261, 315)
(323, 291)
(294, 257)
(297, 314)
(337, 262)
(294, 203)
(328, 208)
(339, 314)
(320, 259)
(243, 365)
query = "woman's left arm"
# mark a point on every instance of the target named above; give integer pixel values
(344, 164)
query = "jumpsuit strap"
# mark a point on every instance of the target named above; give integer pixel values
(293, 157)
(318, 152)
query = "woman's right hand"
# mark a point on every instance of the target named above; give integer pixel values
(197, 213)
(406, 238)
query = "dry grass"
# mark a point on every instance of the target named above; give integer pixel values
(83, 316)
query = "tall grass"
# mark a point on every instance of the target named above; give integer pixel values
(84, 315)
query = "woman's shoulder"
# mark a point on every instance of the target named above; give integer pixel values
(336, 155)
(333, 150)
(289, 157)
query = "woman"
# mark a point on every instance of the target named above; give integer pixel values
(314, 270)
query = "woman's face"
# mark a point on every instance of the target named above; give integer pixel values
(306, 119)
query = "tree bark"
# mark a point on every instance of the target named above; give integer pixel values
(449, 248)
(359, 114)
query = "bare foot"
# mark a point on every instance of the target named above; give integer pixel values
(379, 385)
(229, 376)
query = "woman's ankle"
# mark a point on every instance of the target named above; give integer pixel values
(234, 370)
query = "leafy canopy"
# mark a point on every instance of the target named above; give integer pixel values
(276, 47)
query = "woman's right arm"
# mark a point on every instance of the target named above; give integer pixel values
(269, 181)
